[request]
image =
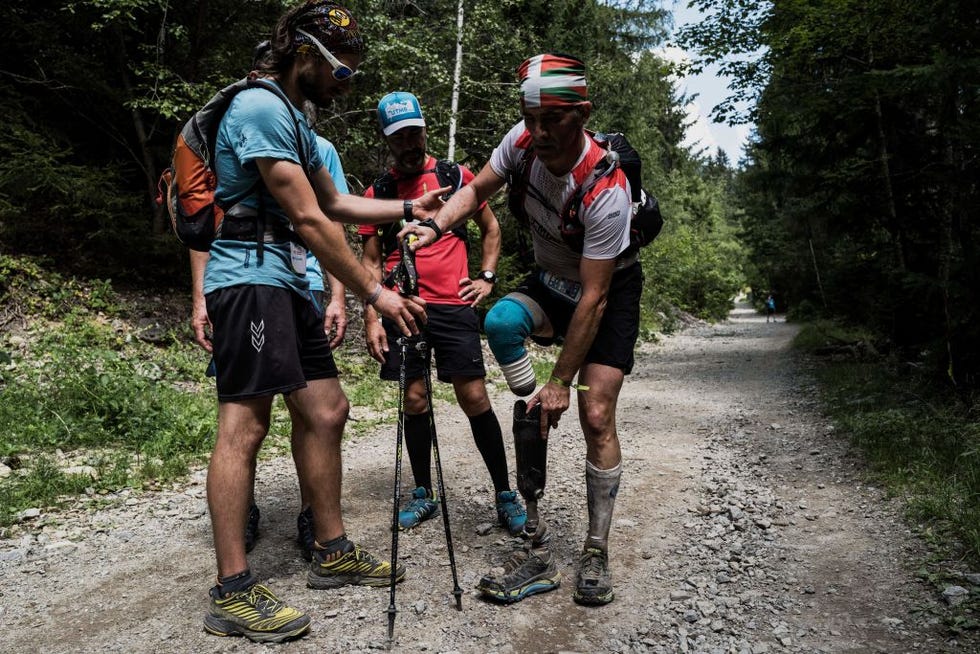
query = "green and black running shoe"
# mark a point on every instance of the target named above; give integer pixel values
(356, 567)
(256, 614)
(593, 583)
(528, 572)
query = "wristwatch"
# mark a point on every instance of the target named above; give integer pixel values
(488, 276)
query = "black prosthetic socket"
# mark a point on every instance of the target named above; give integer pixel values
(530, 450)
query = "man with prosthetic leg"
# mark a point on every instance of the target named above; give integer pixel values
(584, 293)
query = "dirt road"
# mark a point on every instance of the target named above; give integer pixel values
(742, 525)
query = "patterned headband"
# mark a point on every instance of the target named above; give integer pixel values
(333, 25)
(552, 80)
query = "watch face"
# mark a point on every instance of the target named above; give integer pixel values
(486, 275)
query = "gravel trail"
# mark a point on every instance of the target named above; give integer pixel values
(743, 525)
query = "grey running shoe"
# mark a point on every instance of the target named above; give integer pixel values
(593, 583)
(256, 614)
(526, 573)
(356, 567)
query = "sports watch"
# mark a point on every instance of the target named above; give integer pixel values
(488, 276)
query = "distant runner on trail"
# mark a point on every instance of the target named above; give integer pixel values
(588, 297)
(452, 330)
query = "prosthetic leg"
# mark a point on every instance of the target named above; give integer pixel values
(530, 570)
(531, 452)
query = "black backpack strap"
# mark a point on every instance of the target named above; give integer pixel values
(449, 173)
(385, 187)
(572, 229)
(227, 95)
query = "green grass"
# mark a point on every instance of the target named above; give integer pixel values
(922, 443)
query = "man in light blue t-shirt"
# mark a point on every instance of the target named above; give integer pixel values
(334, 324)
(267, 336)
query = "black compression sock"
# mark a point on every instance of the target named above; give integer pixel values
(418, 441)
(489, 440)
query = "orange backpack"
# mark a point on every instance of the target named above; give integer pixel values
(188, 185)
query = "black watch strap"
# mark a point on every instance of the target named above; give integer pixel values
(488, 276)
(407, 208)
(431, 224)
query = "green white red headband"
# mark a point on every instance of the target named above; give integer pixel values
(552, 80)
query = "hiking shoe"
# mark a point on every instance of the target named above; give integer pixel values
(593, 583)
(421, 507)
(526, 573)
(356, 567)
(252, 527)
(305, 534)
(510, 513)
(256, 614)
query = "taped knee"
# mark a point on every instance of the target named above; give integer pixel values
(508, 324)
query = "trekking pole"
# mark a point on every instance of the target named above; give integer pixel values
(406, 278)
(403, 342)
(457, 591)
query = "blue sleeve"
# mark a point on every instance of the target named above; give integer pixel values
(258, 124)
(331, 161)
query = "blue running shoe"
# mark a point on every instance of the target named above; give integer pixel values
(421, 507)
(510, 513)
(528, 572)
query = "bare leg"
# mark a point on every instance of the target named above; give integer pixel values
(323, 408)
(231, 474)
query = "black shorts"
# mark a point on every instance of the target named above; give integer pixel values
(267, 340)
(620, 324)
(452, 332)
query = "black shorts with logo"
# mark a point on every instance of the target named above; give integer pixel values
(267, 340)
(452, 332)
(620, 324)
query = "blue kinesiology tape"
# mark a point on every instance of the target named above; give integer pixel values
(508, 324)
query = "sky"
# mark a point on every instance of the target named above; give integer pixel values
(710, 89)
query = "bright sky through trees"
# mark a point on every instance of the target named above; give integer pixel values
(710, 89)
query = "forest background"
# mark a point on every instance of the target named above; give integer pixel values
(854, 202)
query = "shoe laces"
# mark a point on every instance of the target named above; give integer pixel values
(363, 556)
(507, 504)
(593, 563)
(418, 505)
(520, 565)
(264, 600)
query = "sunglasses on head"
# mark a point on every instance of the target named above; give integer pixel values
(341, 71)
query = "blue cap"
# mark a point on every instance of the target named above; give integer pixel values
(397, 110)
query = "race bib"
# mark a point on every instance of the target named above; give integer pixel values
(297, 258)
(565, 288)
